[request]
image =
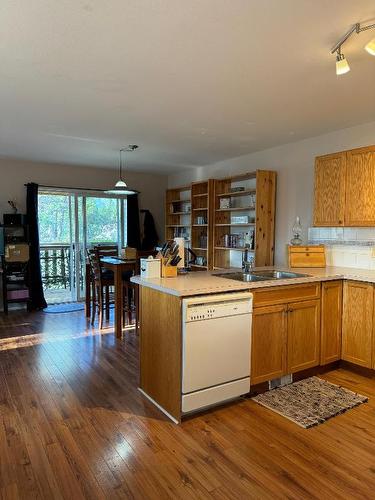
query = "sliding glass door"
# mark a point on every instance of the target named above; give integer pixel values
(70, 223)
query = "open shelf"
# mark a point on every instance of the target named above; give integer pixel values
(247, 224)
(201, 201)
(187, 200)
(178, 225)
(202, 204)
(234, 209)
(178, 222)
(256, 194)
(247, 192)
(238, 249)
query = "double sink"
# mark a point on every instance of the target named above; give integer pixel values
(261, 275)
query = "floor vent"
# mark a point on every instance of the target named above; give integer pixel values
(280, 382)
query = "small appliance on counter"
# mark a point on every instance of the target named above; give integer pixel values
(150, 267)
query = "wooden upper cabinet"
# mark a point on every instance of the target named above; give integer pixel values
(329, 191)
(360, 187)
(357, 324)
(344, 190)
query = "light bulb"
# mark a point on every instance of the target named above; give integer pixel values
(342, 65)
(370, 47)
(121, 184)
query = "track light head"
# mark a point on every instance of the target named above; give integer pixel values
(370, 47)
(342, 65)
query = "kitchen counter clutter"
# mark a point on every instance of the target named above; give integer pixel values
(295, 324)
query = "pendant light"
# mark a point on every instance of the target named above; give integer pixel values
(121, 186)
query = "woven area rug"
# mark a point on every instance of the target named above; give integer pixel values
(310, 402)
(64, 308)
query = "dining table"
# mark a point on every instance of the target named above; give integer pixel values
(117, 265)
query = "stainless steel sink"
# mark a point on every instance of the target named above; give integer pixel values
(261, 276)
(248, 277)
(278, 275)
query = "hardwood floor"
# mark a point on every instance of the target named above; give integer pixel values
(73, 425)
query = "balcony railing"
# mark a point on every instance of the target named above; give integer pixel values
(56, 259)
(55, 265)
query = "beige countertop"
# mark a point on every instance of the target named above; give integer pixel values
(199, 283)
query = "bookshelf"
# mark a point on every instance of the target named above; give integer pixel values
(202, 202)
(217, 218)
(244, 213)
(178, 214)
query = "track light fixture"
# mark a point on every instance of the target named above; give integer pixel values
(342, 65)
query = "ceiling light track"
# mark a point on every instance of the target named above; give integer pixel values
(342, 65)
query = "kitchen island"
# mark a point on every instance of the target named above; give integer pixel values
(297, 325)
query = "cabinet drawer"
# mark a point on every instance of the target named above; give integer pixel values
(285, 294)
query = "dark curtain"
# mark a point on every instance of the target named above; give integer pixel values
(37, 300)
(133, 228)
(150, 235)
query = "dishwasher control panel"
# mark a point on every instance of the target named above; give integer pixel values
(200, 312)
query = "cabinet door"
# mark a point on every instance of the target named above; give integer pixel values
(329, 191)
(360, 187)
(303, 335)
(357, 324)
(331, 321)
(268, 350)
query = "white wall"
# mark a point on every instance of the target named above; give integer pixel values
(294, 164)
(15, 173)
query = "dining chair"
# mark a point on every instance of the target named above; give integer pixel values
(103, 280)
(102, 296)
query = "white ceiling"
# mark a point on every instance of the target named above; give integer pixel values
(191, 81)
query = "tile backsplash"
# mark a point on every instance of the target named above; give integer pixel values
(346, 246)
(343, 235)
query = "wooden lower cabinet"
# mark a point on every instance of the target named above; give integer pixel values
(357, 327)
(269, 343)
(285, 336)
(303, 335)
(331, 322)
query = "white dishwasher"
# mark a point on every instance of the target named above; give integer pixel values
(216, 349)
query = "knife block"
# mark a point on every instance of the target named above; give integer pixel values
(168, 271)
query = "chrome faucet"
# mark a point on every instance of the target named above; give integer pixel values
(247, 262)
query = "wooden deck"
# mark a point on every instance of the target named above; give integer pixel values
(73, 425)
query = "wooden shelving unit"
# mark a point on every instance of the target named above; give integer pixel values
(202, 202)
(204, 214)
(256, 204)
(178, 213)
